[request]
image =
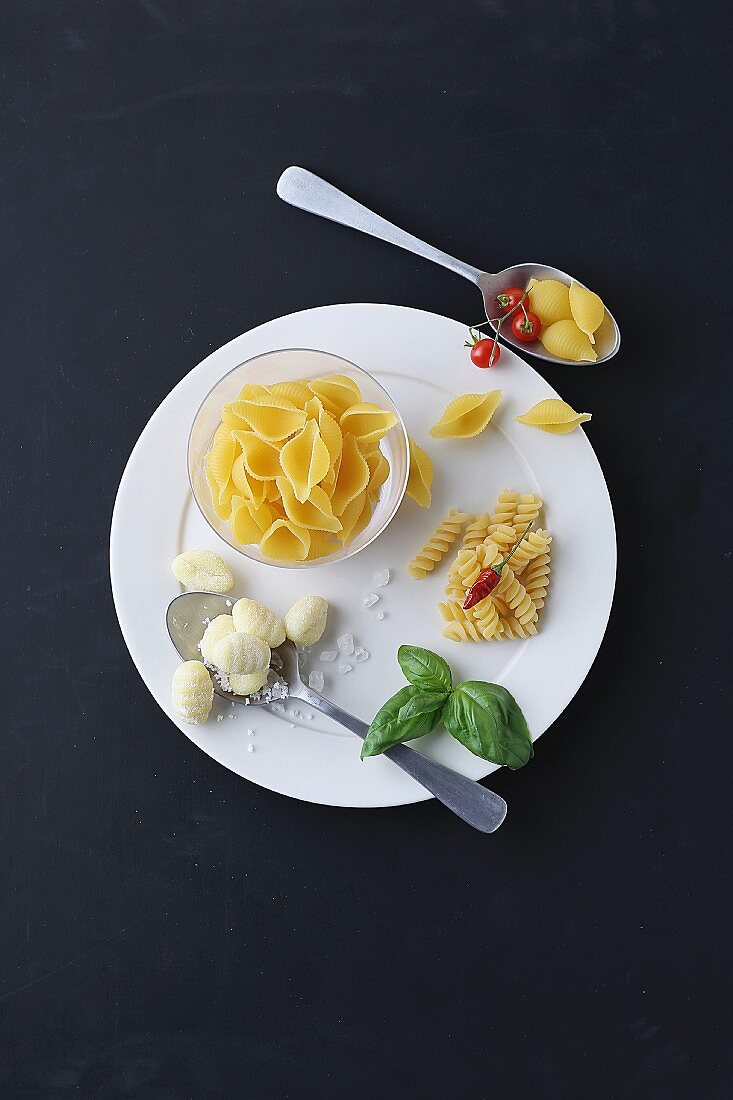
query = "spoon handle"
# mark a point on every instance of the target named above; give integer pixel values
(309, 192)
(476, 805)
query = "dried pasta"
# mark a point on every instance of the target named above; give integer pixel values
(512, 609)
(553, 415)
(443, 537)
(566, 340)
(550, 300)
(297, 468)
(467, 415)
(420, 478)
(587, 310)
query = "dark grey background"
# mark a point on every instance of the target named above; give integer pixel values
(170, 931)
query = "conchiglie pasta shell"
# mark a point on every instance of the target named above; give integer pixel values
(421, 475)
(550, 300)
(221, 499)
(285, 541)
(378, 473)
(305, 460)
(336, 391)
(295, 392)
(271, 418)
(230, 420)
(587, 309)
(220, 459)
(367, 422)
(467, 415)
(321, 546)
(246, 486)
(315, 514)
(353, 519)
(251, 390)
(352, 478)
(261, 460)
(553, 416)
(565, 340)
(330, 434)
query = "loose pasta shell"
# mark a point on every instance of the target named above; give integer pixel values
(378, 473)
(248, 520)
(330, 434)
(221, 499)
(550, 300)
(553, 415)
(336, 391)
(295, 392)
(587, 309)
(421, 475)
(246, 486)
(565, 340)
(321, 546)
(220, 459)
(467, 415)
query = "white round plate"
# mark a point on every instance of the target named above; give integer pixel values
(420, 360)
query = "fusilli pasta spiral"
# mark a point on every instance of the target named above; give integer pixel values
(443, 537)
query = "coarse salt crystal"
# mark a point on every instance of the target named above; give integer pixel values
(381, 579)
(344, 668)
(329, 655)
(250, 733)
(315, 680)
(370, 599)
(361, 654)
(250, 748)
(379, 615)
(346, 643)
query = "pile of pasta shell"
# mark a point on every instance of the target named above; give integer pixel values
(571, 317)
(296, 467)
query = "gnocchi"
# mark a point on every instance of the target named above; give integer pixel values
(203, 570)
(305, 622)
(250, 617)
(242, 654)
(192, 692)
(215, 632)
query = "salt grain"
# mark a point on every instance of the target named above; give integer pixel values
(250, 748)
(370, 599)
(346, 644)
(379, 615)
(361, 654)
(250, 733)
(329, 655)
(381, 579)
(315, 680)
(344, 668)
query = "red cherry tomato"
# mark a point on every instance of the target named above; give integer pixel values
(526, 326)
(510, 298)
(486, 353)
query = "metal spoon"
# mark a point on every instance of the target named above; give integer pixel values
(476, 805)
(309, 192)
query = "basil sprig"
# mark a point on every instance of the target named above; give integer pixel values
(486, 718)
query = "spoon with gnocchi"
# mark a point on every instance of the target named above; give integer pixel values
(560, 320)
(193, 614)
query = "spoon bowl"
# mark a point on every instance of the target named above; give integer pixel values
(187, 617)
(309, 192)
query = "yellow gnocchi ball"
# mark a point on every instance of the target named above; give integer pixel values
(203, 570)
(217, 629)
(192, 692)
(241, 654)
(247, 684)
(253, 618)
(306, 620)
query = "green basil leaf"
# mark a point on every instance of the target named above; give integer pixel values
(487, 719)
(424, 702)
(388, 729)
(424, 669)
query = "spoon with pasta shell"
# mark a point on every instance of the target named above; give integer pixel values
(309, 192)
(186, 619)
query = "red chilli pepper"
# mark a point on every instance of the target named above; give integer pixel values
(488, 579)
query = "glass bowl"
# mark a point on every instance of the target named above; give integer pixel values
(295, 365)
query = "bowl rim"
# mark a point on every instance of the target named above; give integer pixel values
(318, 562)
